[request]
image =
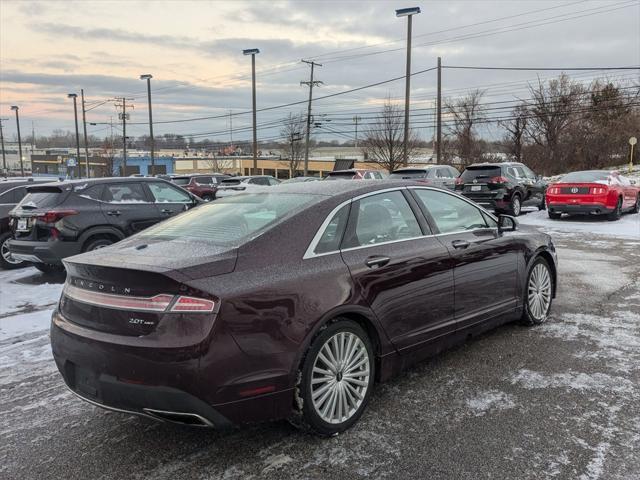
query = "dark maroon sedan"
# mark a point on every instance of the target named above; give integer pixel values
(291, 302)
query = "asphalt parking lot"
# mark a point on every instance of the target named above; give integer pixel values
(561, 400)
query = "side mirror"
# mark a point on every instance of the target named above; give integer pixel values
(633, 182)
(507, 223)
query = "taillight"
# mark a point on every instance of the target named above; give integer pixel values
(157, 303)
(598, 190)
(459, 181)
(52, 216)
(499, 179)
(553, 190)
(192, 304)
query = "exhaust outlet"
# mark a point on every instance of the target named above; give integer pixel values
(183, 418)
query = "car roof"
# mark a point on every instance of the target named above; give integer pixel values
(329, 189)
(353, 170)
(97, 181)
(424, 167)
(495, 164)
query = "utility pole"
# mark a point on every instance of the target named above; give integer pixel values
(15, 108)
(123, 115)
(356, 119)
(439, 115)
(4, 157)
(230, 132)
(148, 78)
(253, 52)
(75, 116)
(310, 83)
(86, 143)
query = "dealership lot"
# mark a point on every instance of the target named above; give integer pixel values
(555, 401)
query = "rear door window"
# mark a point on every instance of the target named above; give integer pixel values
(94, 192)
(203, 180)
(384, 217)
(165, 193)
(124, 193)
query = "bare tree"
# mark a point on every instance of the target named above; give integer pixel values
(108, 153)
(516, 127)
(293, 134)
(383, 139)
(217, 164)
(463, 115)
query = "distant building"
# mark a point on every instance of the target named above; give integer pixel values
(141, 164)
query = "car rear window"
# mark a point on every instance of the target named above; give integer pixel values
(181, 181)
(472, 173)
(43, 197)
(406, 174)
(585, 177)
(231, 181)
(340, 176)
(229, 220)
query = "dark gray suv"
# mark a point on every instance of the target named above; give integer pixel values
(57, 220)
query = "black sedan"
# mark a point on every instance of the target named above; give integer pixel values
(291, 302)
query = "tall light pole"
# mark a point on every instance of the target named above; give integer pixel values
(75, 113)
(4, 157)
(86, 142)
(310, 83)
(409, 13)
(148, 78)
(15, 108)
(253, 52)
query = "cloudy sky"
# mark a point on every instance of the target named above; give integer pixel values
(194, 51)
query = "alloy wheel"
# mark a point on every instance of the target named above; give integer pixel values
(340, 377)
(539, 291)
(6, 255)
(516, 206)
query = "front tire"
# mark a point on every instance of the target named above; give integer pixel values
(336, 379)
(538, 293)
(7, 261)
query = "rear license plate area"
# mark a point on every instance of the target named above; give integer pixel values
(24, 225)
(86, 381)
(476, 188)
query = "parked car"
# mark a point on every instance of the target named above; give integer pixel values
(301, 179)
(292, 301)
(8, 200)
(7, 183)
(234, 185)
(57, 220)
(204, 186)
(593, 192)
(355, 174)
(505, 187)
(443, 176)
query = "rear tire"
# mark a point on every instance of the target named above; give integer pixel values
(7, 262)
(617, 213)
(538, 293)
(542, 205)
(636, 207)
(554, 215)
(49, 268)
(97, 243)
(207, 198)
(336, 379)
(515, 206)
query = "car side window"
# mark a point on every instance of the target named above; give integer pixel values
(384, 217)
(273, 181)
(520, 173)
(165, 193)
(529, 173)
(124, 193)
(203, 180)
(7, 197)
(332, 235)
(260, 181)
(443, 173)
(511, 172)
(450, 213)
(454, 173)
(94, 192)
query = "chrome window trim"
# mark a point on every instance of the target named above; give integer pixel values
(309, 253)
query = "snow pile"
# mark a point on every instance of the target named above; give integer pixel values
(627, 226)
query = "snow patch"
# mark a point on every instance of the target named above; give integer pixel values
(490, 400)
(595, 382)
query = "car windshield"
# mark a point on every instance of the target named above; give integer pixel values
(230, 220)
(181, 181)
(406, 174)
(589, 176)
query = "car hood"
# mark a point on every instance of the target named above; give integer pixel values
(176, 259)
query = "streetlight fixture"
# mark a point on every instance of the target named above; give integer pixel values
(148, 77)
(253, 52)
(15, 108)
(75, 113)
(409, 13)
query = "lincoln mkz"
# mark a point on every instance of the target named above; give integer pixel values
(291, 302)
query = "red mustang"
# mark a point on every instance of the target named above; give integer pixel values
(593, 192)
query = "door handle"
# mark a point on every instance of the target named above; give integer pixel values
(167, 211)
(460, 244)
(114, 213)
(376, 261)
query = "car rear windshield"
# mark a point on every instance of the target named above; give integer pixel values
(42, 197)
(483, 172)
(405, 174)
(585, 177)
(228, 221)
(181, 181)
(231, 181)
(340, 176)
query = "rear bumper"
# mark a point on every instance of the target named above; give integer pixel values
(43, 252)
(579, 209)
(165, 384)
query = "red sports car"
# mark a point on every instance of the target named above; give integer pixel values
(593, 192)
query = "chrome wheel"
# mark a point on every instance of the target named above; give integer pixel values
(516, 206)
(6, 255)
(340, 377)
(539, 292)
